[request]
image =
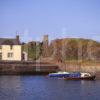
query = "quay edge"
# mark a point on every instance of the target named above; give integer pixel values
(26, 68)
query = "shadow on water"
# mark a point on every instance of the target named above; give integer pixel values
(45, 88)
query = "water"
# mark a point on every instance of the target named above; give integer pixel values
(44, 88)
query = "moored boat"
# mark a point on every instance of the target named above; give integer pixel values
(83, 76)
(73, 75)
(59, 74)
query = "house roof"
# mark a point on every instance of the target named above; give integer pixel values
(9, 41)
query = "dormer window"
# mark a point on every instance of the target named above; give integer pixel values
(11, 47)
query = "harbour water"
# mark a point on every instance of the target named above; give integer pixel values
(45, 88)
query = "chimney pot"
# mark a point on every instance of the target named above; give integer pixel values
(17, 38)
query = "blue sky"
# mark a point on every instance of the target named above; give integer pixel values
(31, 19)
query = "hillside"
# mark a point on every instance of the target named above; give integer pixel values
(65, 49)
(75, 49)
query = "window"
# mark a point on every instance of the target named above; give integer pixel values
(10, 55)
(11, 47)
(0, 56)
(0, 47)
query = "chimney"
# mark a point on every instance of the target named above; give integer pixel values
(17, 38)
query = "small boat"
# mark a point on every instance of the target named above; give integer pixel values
(83, 76)
(73, 75)
(59, 74)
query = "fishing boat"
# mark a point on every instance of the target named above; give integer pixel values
(73, 75)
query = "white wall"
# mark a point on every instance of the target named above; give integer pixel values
(16, 50)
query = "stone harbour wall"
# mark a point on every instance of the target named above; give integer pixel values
(95, 68)
(11, 68)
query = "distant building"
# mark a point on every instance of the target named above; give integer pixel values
(10, 49)
(45, 39)
(45, 46)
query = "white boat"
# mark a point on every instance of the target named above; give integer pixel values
(59, 74)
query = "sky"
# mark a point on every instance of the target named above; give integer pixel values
(31, 19)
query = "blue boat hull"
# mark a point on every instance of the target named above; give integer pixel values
(59, 75)
(80, 78)
(72, 76)
(76, 75)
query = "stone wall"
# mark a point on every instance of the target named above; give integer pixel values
(26, 67)
(94, 68)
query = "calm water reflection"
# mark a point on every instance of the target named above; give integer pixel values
(44, 88)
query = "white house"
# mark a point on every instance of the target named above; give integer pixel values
(10, 49)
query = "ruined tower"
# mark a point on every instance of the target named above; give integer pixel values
(45, 46)
(45, 40)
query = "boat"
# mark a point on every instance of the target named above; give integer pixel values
(73, 75)
(59, 74)
(83, 76)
